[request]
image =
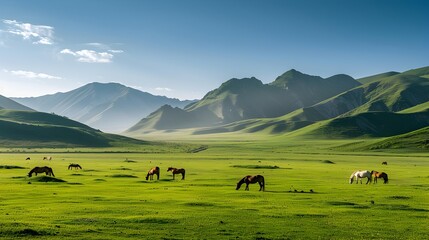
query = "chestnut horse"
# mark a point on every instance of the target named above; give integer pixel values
(44, 169)
(75, 166)
(376, 175)
(151, 172)
(177, 171)
(252, 179)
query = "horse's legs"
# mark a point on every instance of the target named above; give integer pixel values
(260, 186)
(157, 176)
(369, 179)
(247, 187)
(183, 176)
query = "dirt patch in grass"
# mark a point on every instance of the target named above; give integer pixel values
(153, 220)
(304, 215)
(122, 176)
(399, 197)
(256, 166)
(335, 203)
(31, 232)
(328, 161)
(199, 204)
(11, 167)
(48, 179)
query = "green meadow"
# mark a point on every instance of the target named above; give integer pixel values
(307, 195)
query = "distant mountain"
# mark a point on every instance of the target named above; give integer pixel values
(313, 89)
(7, 103)
(36, 129)
(248, 98)
(111, 107)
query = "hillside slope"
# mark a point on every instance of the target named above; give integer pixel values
(110, 107)
(36, 129)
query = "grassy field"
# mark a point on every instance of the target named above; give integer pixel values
(307, 195)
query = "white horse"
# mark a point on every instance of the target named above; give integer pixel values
(359, 175)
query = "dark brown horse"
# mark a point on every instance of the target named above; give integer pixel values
(384, 163)
(75, 166)
(28, 158)
(177, 171)
(376, 175)
(151, 172)
(44, 169)
(252, 179)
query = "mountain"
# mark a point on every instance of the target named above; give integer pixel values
(248, 98)
(111, 107)
(7, 103)
(313, 89)
(37, 129)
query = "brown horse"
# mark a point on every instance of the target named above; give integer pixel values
(252, 179)
(28, 158)
(384, 163)
(151, 172)
(75, 166)
(376, 175)
(44, 169)
(177, 171)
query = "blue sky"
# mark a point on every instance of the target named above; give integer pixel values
(186, 48)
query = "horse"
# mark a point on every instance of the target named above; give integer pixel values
(359, 175)
(28, 158)
(75, 166)
(376, 175)
(384, 163)
(252, 179)
(151, 172)
(177, 171)
(44, 169)
(47, 158)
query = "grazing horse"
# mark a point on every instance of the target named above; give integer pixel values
(47, 158)
(28, 158)
(376, 175)
(252, 179)
(177, 171)
(75, 166)
(44, 169)
(151, 172)
(384, 163)
(359, 175)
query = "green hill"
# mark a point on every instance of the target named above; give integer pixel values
(35, 129)
(418, 139)
(376, 77)
(369, 124)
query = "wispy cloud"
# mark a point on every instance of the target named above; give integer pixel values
(39, 34)
(29, 74)
(89, 56)
(105, 47)
(163, 89)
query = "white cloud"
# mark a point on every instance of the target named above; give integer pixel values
(39, 34)
(163, 89)
(116, 51)
(29, 74)
(90, 56)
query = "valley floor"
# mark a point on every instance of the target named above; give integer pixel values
(308, 195)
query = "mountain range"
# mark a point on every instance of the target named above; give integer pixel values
(110, 107)
(384, 105)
